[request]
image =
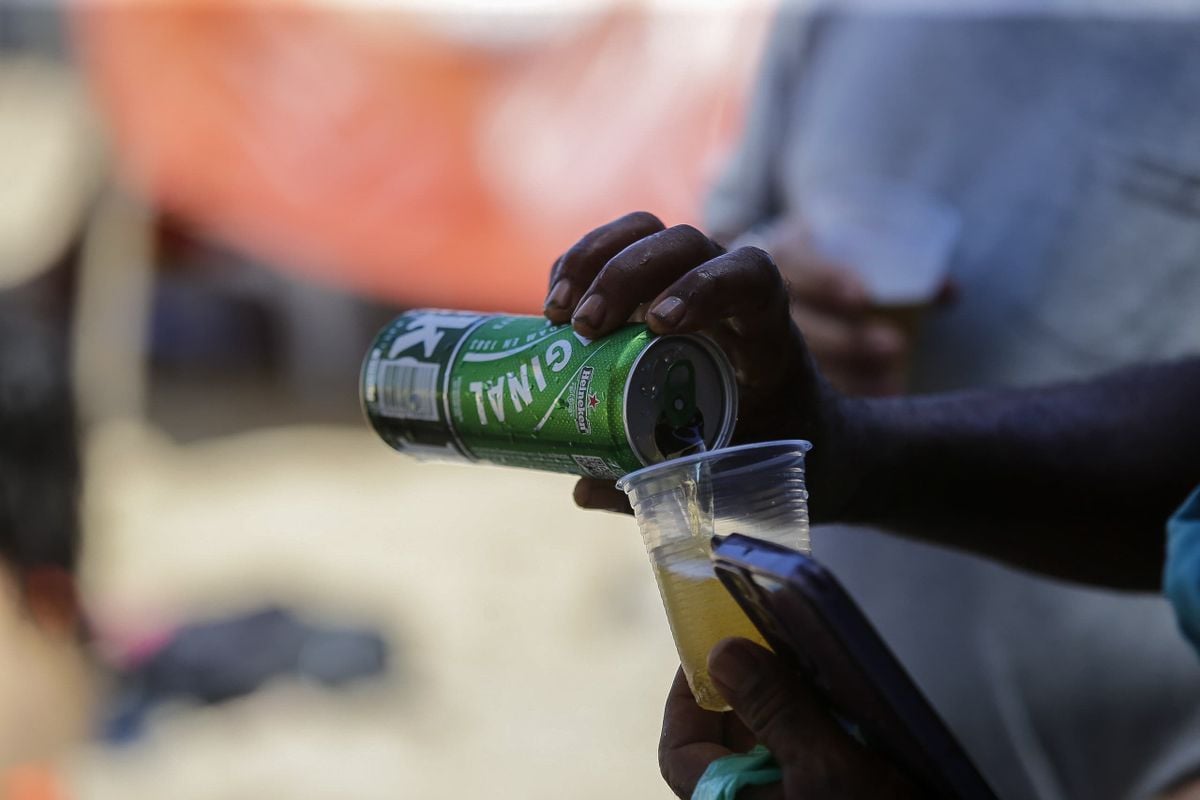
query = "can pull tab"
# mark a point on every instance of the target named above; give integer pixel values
(679, 395)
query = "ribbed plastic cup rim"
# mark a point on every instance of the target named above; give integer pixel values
(803, 445)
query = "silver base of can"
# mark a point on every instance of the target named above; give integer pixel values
(715, 399)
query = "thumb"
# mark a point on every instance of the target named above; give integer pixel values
(776, 704)
(601, 495)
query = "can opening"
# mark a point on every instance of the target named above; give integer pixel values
(679, 430)
(681, 399)
(684, 440)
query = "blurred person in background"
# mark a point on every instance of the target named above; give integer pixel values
(52, 163)
(1066, 143)
(39, 468)
(45, 688)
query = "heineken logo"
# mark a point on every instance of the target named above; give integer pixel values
(585, 401)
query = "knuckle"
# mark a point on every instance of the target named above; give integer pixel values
(769, 273)
(704, 280)
(587, 258)
(694, 237)
(783, 733)
(755, 254)
(621, 274)
(760, 258)
(590, 253)
(764, 701)
(689, 231)
(575, 258)
(766, 280)
(643, 219)
(761, 268)
(594, 248)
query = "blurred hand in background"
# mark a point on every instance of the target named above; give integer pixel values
(859, 351)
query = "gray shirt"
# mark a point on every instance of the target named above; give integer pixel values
(1071, 147)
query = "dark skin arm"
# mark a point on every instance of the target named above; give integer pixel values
(1074, 480)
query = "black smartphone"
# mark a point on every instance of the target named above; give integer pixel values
(810, 621)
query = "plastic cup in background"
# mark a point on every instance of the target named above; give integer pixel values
(897, 239)
(757, 490)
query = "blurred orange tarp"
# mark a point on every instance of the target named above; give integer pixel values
(425, 159)
(31, 782)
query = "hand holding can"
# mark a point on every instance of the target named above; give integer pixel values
(690, 284)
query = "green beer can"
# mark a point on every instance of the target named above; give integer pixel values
(521, 392)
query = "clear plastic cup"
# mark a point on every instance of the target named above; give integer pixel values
(898, 239)
(757, 490)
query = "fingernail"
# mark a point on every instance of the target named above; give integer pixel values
(560, 294)
(883, 340)
(734, 663)
(669, 311)
(590, 312)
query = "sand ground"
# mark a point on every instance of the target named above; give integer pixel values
(530, 652)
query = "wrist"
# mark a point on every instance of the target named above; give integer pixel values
(875, 458)
(840, 459)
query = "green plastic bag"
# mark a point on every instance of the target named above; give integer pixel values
(726, 776)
